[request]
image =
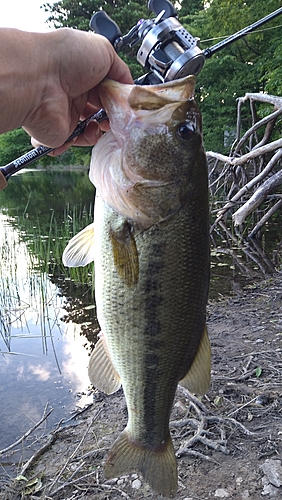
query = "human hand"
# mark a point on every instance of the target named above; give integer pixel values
(50, 81)
(81, 62)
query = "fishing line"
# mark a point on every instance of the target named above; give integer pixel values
(227, 36)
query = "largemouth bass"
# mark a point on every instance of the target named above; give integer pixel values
(151, 254)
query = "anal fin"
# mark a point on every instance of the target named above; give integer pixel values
(101, 371)
(197, 380)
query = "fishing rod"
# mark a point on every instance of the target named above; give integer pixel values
(36, 153)
(166, 49)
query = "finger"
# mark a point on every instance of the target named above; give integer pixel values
(55, 151)
(119, 71)
(90, 110)
(89, 137)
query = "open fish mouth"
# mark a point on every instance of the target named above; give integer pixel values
(124, 102)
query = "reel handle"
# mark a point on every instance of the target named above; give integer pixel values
(102, 24)
(158, 6)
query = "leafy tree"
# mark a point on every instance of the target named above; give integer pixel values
(189, 7)
(15, 143)
(74, 14)
(252, 64)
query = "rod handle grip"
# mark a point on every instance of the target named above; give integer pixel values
(3, 182)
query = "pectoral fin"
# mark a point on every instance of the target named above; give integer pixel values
(101, 371)
(125, 254)
(80, 249)
(197, 379)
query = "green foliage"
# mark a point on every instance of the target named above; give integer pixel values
(81, 156)
(70, 13)
(271, 65)
(17, 142)
(251, 64)
(190, 7)
(13, 144)
(73, 14)
(221, 82)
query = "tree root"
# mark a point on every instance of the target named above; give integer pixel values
(210, 430)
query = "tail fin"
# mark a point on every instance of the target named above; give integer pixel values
(158, 467)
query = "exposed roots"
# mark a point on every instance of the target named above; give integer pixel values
(204, 429)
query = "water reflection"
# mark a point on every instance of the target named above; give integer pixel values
(44, 354)
(237, 261)
(29, 381)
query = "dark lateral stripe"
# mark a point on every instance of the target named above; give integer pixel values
(153, 328)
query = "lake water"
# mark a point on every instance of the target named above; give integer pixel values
(44, 353)
(47, 316)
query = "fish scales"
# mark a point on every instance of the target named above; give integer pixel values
(151, 255)
(148, 335)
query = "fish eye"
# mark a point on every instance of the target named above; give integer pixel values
(186, 130)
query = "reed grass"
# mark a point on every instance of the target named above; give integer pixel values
(30, 256)
(47, 242)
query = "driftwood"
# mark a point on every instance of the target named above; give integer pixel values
(245, 186)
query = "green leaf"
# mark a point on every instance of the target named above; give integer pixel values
(33, 485)
(21, 478)
(258, 371)
(218, 400)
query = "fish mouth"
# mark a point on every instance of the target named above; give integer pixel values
(176, 90)
(124, 103)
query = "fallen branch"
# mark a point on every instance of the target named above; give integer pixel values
(257, 198)
(253, 182)
(39, 453)
(22, 438)
(264, 121)
(265, 218)
(268, 148)
(251, 174)
(266, 98)
(205, 425)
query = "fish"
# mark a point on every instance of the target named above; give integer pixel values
(150, 246)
